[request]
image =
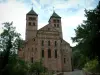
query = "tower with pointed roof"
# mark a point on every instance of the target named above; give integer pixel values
(55, 21)
(31, 24)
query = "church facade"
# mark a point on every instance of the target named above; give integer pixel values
(46, 43)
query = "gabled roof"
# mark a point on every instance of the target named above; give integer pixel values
(48, 27)
(55, 15)
(32, 12)
(65, 42)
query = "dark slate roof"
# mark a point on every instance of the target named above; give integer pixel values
(32, 12)
(55, 15)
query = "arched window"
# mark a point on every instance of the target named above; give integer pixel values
(31, 59)
(54, 21)
(29, 23)
(64, 60)
(42, 43)
(48, 43)
(42, 53)
(33, 18)
(55, 43)
(28, 48)
(49, 53)
(57, 25)
(33, 24)
(55, 53)
(54, 25)
(58, 21)
(30, 18)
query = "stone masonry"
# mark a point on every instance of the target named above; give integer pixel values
(46, 43)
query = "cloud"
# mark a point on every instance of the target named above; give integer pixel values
(36, 4)
(69, 23)
(71, 11)
(14, 11)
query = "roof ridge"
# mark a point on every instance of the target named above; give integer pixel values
(48, 25)
(42, 27)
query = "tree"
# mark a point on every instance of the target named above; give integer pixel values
(37, 68)
(15, 66)
(10, 63)
(10, 42)
(91, 66)
(88, 34)
(78, 59)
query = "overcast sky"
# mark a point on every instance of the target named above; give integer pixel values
(71, 11)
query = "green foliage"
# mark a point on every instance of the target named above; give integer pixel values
(87, 33)
(78, 59)
(37, 67)
(9, 32)
(9, 44)
(91, 66)
(88, 37)
(15, 66)
(10, 64)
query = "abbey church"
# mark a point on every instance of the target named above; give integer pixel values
(46, 43)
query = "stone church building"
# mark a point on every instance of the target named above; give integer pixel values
(46, 43)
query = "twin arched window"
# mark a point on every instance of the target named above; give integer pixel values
(56, 21)
(49, 53)
(31, 18)
(56, 25)
(30, 24)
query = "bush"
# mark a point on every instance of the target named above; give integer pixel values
(92, 66)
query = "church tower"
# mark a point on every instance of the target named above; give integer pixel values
(55, 21)
(31, 24)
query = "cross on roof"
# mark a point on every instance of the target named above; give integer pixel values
(53, 9)
(32, 5)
